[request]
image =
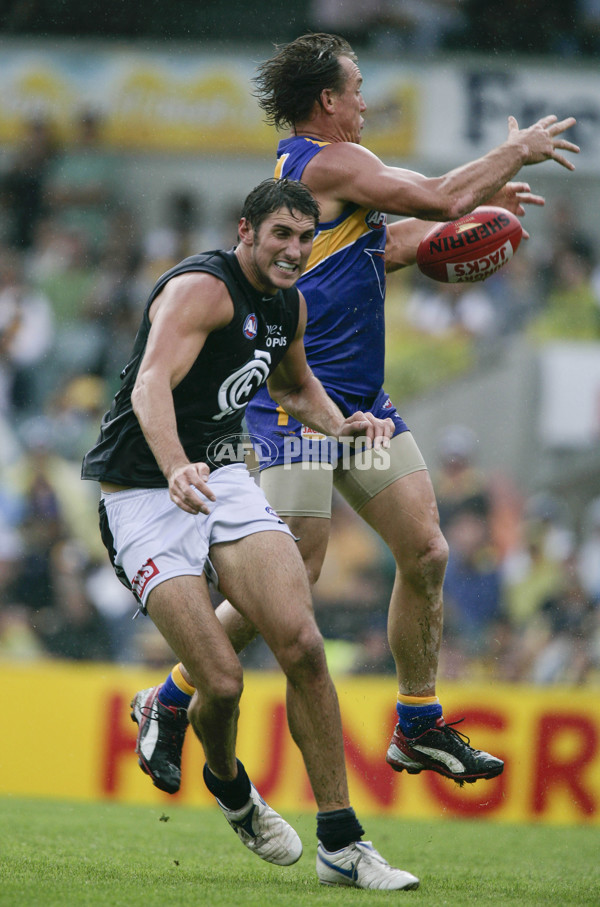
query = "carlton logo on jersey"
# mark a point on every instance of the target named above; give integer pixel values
(251, 326)
(241, 385)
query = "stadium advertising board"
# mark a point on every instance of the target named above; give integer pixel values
(549, 739)
(192, 101)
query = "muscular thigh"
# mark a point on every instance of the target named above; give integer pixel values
(300, 489)
(301, 494)
(364, 476)
(182, 610)
(405, 514)
(263, 577)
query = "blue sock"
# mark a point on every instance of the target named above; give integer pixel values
(415, 719)
(171, 694)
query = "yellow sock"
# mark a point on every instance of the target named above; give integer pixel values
(180, 681)
(417, 700)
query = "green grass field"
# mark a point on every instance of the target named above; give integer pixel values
(57, 853)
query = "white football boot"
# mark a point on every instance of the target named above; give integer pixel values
(263, 831)
(361, 866)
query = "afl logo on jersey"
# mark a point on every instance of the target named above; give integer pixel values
(376, 220)
(251, 327)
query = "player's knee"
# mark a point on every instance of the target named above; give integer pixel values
(312, 556)
(427, 565)
(220, 694)
(304, 655)
(313, 570)
(436, 556)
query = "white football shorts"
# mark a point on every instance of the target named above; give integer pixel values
(154, 540)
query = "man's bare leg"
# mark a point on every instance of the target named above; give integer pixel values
(183, 613)
(277, 602)
(405, 515)
(313, 535)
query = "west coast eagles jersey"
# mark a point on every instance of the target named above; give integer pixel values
(210, 401)
(344, 287)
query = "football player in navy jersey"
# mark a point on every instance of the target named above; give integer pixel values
(169, 515)
(313, 85)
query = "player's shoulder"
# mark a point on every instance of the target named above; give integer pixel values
(194, 281)
(197, 297)
(339, 161)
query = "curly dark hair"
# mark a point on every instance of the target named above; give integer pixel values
(288, 84)
(272, 194)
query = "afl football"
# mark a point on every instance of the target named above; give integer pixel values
(471, 248)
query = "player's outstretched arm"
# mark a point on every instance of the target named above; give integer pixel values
(404, 236)
(345, 172)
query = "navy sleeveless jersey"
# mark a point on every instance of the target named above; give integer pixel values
(210, 401)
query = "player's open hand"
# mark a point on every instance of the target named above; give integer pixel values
(513, 197)
(188, 487)
(365, 425)
(543, 140)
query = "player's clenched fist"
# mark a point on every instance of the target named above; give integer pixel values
(377, 431)
(188, 487)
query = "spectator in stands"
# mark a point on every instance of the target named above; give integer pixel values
(57, 528)
(392, 26)
(418, 27)
(26, 336)
(357, 576)
(22, 185)
(472, 585)
(459, 483)
(572, 310)
(446, 310)
(61, 265)
(535, 569)
(353, 19)
(73, 627)
(372, 652)
(589, 551)
(18, 640)
(83, 184)
(565, 634)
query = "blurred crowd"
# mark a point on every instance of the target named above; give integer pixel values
(563, 28)
(523, 583)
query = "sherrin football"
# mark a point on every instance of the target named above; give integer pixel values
(471, 248)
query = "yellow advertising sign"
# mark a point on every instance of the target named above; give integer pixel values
(187, 102)
(75, 740)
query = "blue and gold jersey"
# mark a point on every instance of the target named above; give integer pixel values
(344, 287)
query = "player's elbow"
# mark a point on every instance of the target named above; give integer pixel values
(138, 396)
(458, 207)
(443, 202)
(452, 204)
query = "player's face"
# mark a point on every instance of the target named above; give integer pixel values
(350, 104)
(278, 250)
